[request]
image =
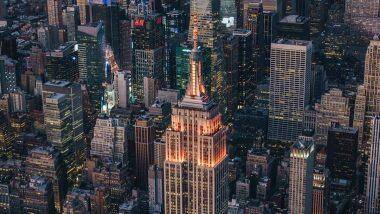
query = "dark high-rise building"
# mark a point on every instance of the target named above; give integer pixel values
(175, 33)
(253, 14)
(301, 7)
(342, 147)
(148, 44)
(270, 21)
(318, 16)
(36, 60)
(126, 51)
(72, 21)
(160, 112)
(231, 44)
(90, 40)
(110, 15)
(144, 145)
(3, 9)
(245, 63)
(294, 27)
(8, 44)
(62, 63)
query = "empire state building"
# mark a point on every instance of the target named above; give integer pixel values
(196, 156)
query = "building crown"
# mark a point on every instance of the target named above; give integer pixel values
(195, 93)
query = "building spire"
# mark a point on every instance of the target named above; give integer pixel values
(195, 34)
(195, 92)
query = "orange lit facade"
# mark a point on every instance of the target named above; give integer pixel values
(196, 156)
(54, 12)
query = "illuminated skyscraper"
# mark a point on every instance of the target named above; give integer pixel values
(301, 176)
(196, 155)
(372, 77)
(73, 95)
(58, 123)
(362, 120)
(58, 126)
(290, 87)
(54, 10)
(373, 175)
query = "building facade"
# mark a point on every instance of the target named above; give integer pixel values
(301, 176)
(372, 187)
(110, 140)
(91, 46)
(334, 107)
(290, 87)
(144, 140)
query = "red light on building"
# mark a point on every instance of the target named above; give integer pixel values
(139, 22)
(159, 20)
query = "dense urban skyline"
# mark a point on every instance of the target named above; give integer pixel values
(194, 106)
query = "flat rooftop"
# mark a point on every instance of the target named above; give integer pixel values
(58, 83)
(294, 19)
(292, 42)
